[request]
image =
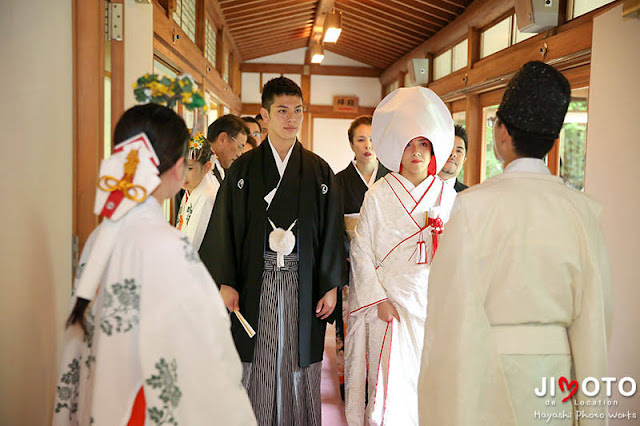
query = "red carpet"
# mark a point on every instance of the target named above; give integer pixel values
(332, 405)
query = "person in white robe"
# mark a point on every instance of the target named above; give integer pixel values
(200, 192)
(520, 291)
(148, 339)
(401, 218)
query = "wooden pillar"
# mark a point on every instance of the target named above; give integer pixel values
(474, 170)
(220, 56)
(430, 57)
(473, 47)
(553, 160)
(117, 78)
(200, 24)
(306, 135)
(88, 112)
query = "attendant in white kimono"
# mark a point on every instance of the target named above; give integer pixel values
(200, 192)
(520, 289)
(148, 338)
(401, 219)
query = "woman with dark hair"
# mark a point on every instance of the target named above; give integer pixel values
(148, 336)
(200, 193)
(354, 180)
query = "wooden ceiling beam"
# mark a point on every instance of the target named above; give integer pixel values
(461, 3)
(266, 31)
(278, 42)
(225, 28)
(359, 47)
(384, 22)
(275, 19)
(434, 7)
(273, 36)
(426, 13)
(257, 13)
(243, 4)
(415, 20)
(477, 15)
(371, 32)
(258, 53)
(360, 56)
(376, 43)
(347, 71)
(454, 9)
(378, 28)
(271, 68)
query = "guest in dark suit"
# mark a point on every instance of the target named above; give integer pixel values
(452, 167)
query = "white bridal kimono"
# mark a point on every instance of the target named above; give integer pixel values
(519, 290)
(384, 267)
(195, 210)
(157, 324)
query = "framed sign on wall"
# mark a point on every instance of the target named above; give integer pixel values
(345, 104)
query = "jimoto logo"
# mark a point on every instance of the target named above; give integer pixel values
(589, 387)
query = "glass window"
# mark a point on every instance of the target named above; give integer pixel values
(162, 69)
(580, 7)
(517, 35)
(211, 43)
(496, 38)
(573, 139)
(492, 165)
(227, 64)
(459, 118)
(185, 16)
(460, 52)
(442, 65)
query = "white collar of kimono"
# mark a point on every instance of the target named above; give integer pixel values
(216, 163)
(529, 165)
(415, 191)
(282, 166)
(372, 179)
(106, 235)
(451, 182)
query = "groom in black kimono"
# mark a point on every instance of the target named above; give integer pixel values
(284, 282)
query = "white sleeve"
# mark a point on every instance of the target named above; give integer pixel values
(366, 289)
(199, 221)
(189, 361)
(590, 330)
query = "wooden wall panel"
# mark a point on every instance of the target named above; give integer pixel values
(88, 112)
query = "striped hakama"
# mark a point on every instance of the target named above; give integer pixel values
(281, 392)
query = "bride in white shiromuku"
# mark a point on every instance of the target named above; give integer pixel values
(396, 238)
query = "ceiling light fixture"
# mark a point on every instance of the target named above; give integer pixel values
(316, 52)
(332, 27)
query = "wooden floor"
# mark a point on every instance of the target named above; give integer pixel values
(332, 405)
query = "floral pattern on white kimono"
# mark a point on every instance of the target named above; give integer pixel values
(158, 324)
(384, 267)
